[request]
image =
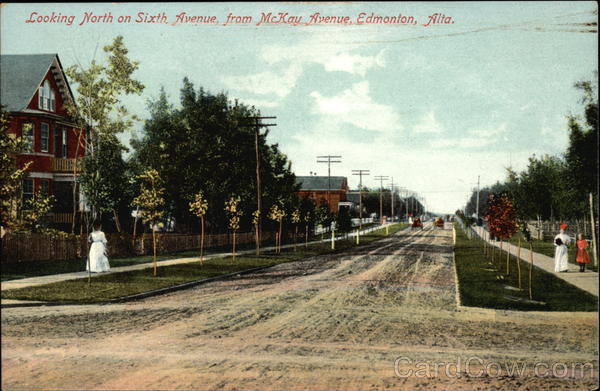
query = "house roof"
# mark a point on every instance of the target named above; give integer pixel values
(321, 182)
(21, 75)
(353, 197)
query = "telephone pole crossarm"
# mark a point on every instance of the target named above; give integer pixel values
(330, 159)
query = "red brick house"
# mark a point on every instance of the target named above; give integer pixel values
(317, 188)
(34, 90)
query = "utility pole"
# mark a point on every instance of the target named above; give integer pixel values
(477, 210)
(381, 178)
(330, 159)
(257, 124)
(404, 201)
(594, 243)
(392, 191)
(360, 173)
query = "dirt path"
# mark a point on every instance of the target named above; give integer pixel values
(358, 320)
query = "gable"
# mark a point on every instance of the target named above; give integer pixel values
(21, 75)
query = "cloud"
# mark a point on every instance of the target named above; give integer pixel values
(476, 138)
(267, 82)
(489, 132)
(465, 142)
(355, 106)
(428, 124)
(293, 59)
(325, 53)
(260, 103)
(444, 179)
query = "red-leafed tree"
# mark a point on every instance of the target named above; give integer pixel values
(502, 220)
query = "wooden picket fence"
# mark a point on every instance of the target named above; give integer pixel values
(546, 230)
(27, 247)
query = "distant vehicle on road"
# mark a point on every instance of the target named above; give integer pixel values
(417, 224)
(439, 222)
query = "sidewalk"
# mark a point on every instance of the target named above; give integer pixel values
(42, 280)
(587, 281)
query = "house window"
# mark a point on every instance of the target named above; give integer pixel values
(45, 135)
(64, 143)
(27, 134)
(46, 97)
(27, 189)
(52, 101)
(45, 187)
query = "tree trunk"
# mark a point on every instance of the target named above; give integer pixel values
(519, 261)
(507, 258)
(257, 239)
(295, 237)
(201, 240)
(117, 223)
(530, 269)
(87, 241)
(233, 245)
(154, 250)
(306, 237)
(280, 231)
(485, 246)
(75, 183)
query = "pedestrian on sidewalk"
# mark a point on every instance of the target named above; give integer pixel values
(561, 254)
(98, 261)
(582, 255)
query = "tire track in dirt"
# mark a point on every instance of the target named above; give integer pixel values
(331, 322)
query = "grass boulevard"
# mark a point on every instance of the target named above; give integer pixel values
(115, 285)
(483, 282)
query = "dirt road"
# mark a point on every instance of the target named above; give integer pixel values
(380, 317)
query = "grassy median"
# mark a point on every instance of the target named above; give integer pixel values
(115, 285)
(484, 283)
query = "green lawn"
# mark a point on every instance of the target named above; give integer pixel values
(483, 283)
(110, 286)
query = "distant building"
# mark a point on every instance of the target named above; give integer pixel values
(316, 188)
(34, 90)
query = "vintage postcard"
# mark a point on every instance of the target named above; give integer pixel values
(299, 196)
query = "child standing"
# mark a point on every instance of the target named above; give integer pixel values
(582, 255)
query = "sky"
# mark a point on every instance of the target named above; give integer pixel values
(433, 107)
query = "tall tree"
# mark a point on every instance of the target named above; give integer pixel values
(98, 110)
(204, 145)
(581, 156)
(151, 203)
(198, 207)
(105, 178)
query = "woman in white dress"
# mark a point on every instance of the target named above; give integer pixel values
(98, 261)
(561, 253)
